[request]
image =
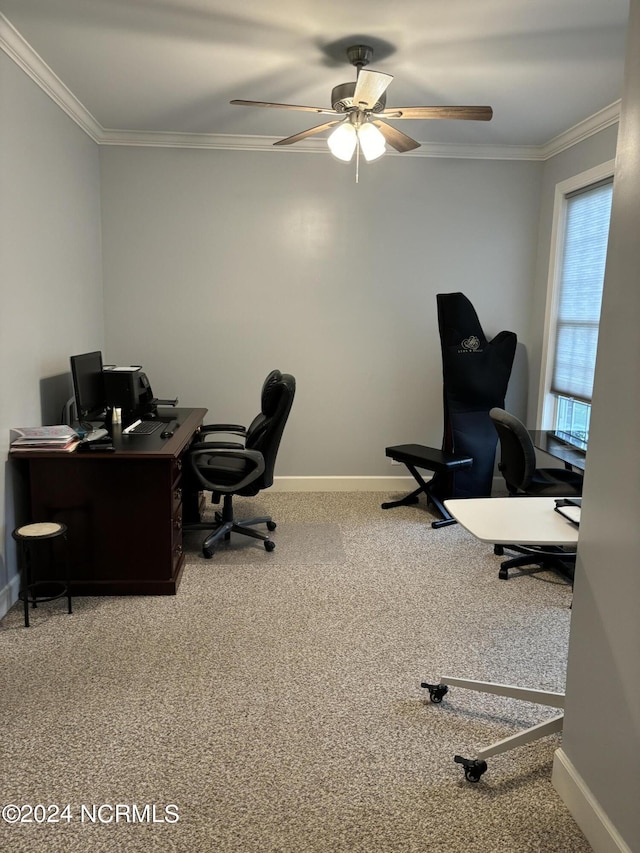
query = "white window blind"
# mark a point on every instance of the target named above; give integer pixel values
(581, 279)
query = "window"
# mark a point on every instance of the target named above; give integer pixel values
(579, 250)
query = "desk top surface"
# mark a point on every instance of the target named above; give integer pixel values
(518, 520)
(554, 447)
(151, 446)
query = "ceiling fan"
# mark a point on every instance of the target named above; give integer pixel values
(361, 112)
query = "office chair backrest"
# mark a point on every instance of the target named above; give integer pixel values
(265, 399)
(517, 453)
(265, 431)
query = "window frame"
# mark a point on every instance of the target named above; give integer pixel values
(546, 399)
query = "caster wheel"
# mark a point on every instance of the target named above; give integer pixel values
(207, 553)
(503, 574)
(473, 768)
(498, 550)
(269, 545)
(472, 775)
(271, 525)
(436, 691)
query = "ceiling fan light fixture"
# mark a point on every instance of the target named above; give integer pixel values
(342, 141)
(372, 142)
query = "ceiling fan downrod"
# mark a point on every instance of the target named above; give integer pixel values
(360, 55)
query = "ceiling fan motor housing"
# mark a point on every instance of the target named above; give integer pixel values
(359, 54)
(342, 98)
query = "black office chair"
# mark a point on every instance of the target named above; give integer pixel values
(522, 477)
(227, 468)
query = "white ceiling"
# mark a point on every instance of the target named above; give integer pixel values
(172, 66)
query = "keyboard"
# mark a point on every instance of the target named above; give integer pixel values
(145, 428)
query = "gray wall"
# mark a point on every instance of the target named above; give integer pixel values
(51, 275)
(221, 265)
(602, 725)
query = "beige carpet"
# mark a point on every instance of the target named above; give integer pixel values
(276, 700)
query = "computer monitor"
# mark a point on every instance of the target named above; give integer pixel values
(88, 385)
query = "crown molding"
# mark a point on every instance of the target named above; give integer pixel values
(13, 44)
(318, 145)
(158, 139)
(583, 130)
(19, 50)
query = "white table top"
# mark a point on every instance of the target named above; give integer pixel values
(516, 521)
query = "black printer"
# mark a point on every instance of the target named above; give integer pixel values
(128, 389)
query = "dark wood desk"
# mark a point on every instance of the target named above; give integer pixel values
(571, 457)
(123, 510)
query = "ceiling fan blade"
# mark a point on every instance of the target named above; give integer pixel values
(285, 107)
(468, 113)
(396, 138)
(310, 132)
(369, 87)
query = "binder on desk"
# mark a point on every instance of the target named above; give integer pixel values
(570, 509)
(57, 437)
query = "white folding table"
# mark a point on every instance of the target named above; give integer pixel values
(526, 521)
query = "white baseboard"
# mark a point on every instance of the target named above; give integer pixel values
(358, 484)
(585, 809)
(344, 484)
(9, 595)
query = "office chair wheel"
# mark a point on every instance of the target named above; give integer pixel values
(436, 691)
(498, 550)
(207, 553)
(503, 574)
(271, 525)
(269, 545)
(473, 767)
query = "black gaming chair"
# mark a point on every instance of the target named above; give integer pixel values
(475, 373)
(227, 468)
(522, 477)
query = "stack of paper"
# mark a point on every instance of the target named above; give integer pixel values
(60, 437)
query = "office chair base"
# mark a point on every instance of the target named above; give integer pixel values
(225, 530)
(537, 560)
(224, 525)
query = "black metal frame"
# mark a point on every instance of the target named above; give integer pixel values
(415, 456)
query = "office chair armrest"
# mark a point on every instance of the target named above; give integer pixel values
(214, 445)
(254, 458)
(236, 429)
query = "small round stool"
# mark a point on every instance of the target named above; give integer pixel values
(35, 591)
